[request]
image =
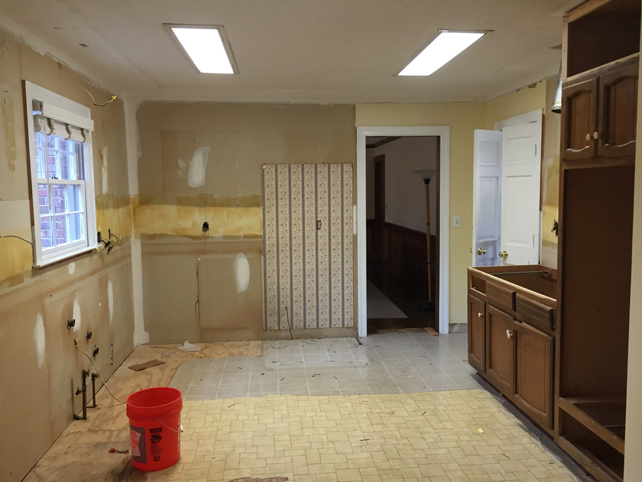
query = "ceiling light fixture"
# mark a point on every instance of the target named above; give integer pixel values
(440, 51)
(206, 46)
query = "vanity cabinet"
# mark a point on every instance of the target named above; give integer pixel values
(511, 312)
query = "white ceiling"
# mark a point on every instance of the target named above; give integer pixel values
(327, 51)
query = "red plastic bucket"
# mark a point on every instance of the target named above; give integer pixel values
(155, 427)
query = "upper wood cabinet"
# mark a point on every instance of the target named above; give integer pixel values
(618, 112)
(599, 114)
(578, 120)
(477, 333)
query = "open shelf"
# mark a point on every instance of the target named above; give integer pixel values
(604, 416)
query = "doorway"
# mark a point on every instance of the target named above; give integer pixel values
(395, 245)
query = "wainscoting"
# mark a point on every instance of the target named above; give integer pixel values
(405, 252)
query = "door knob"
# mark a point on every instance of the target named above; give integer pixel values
(481, 251)
(588, 137)
(503, 254)
(479, 315)
(509, 333)
(596, 135)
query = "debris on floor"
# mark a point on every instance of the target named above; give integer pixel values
(116, 451)
(187, 346)
(144, 366)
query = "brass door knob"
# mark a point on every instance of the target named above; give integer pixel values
(481, 251)
(503, 254)
(471, 250)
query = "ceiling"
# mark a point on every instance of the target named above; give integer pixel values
(320, 51)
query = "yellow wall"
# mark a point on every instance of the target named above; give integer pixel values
(38, 361)
(462, 119)
(632, 459)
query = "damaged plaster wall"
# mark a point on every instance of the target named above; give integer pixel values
(39, 366)
(203, 163)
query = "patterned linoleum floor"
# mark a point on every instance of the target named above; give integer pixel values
(446, 436)
(379, 364)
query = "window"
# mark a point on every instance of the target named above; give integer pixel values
(62, 190)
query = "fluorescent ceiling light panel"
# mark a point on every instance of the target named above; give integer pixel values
(205, 47)
(443, 49)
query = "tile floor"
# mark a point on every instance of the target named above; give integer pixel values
(378, 364)
(446, 436)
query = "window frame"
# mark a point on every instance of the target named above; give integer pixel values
(61, 109)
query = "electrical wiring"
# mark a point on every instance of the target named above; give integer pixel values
(17, 237)
(113, 97)
(120, 402)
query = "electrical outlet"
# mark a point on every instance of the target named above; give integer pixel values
(457, 221)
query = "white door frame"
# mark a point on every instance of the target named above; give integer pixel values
(443, 132)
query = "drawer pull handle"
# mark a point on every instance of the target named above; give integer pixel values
(509, 333)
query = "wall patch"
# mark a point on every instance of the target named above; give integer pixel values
(197, 167)
(242, 272)
(39, 339)
(110, 300)
(76, 315)
(105, 169)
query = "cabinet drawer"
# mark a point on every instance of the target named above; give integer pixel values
(534, 313)
(500, 296)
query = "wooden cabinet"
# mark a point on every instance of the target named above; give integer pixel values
(511, 334)
(599, 114)
(477, 333)
(618, 112)
(499, 349)
(534, 373)
(578, 120)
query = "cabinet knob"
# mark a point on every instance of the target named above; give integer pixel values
(596, 136)
(509, 333)
(503, 254)
(479, 315)
(481, 251)
(588, 137)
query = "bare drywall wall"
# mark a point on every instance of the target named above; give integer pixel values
(39, 366)
(202, 163)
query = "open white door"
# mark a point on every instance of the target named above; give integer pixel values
(487, 198)
(521, 166)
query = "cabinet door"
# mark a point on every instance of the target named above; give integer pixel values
(618, 112)
(578, 120)
(534, 373)
(499, 349)
(477, 334)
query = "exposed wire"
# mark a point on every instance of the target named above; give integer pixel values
(17, 237)
(120, 402)
(113, 97)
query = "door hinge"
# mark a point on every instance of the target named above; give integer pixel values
(535, 149)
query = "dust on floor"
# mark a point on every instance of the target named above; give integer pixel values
(81, 453)
(451, 436)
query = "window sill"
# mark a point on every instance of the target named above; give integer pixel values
(64, 257)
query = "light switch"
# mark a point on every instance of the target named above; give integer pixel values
(457, 221)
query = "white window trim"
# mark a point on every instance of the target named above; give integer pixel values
(62, 109)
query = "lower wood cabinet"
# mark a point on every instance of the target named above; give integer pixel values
(533, 389)
(515, 357)
(477, 334)
(499, 349)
